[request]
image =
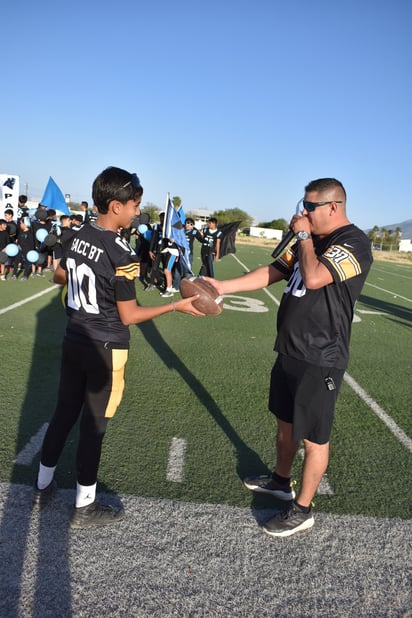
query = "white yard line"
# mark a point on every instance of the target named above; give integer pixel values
(33, 446)
(176, 461)
(380, 413)
(409, 300)
(28, 300)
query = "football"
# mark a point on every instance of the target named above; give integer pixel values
(209, 301)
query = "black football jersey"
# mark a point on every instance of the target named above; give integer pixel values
(315, 325)
(209, 240)
(101, 268)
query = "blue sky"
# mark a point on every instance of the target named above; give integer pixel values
(226, 103)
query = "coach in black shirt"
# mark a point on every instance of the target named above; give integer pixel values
(325, 270)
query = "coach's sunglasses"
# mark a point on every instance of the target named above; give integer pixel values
(310, 206)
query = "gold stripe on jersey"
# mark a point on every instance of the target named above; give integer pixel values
(287, 259)
(119, 360)
(343, 262)
(130, 271)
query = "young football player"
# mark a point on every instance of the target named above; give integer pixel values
(99, 268)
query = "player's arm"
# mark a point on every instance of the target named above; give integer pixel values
(255, 280)
(60, 276)
(132, 313)
(217, 254)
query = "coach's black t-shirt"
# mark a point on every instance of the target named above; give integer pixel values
(101, 269)
(315, 325)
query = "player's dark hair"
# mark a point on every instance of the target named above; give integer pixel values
(115, 184)
(190, 220)
(323, 184)
(22, 199)
(8, 212)
(213, 220)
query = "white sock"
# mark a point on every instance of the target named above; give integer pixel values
(45, 476)
(85, 495)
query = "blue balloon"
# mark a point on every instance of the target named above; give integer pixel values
(142, 228)
(32, 256)
(12, 249)
(41, 234)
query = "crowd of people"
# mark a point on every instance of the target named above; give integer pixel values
(163, 262)
(161, 259)
(32, 243)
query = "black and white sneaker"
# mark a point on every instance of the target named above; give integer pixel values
(95, 514)
(289, 521)
(41, 497)
(266, 484)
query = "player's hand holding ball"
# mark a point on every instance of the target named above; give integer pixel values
(208, 302)
(188, 305)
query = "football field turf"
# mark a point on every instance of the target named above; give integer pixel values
(193, 421)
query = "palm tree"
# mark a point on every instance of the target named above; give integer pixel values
(373, 234)
(384, 233)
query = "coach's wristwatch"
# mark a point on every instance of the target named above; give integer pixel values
(303, 235)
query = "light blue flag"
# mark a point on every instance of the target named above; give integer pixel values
(54, 198)
(174, 227)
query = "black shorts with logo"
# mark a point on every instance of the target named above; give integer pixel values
(305, 395)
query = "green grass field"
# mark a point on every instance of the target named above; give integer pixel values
(205, 381)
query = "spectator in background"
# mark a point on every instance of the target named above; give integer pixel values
(210, 250)
(22, 208)
(62, 234)
(11, 224)
(40, 222)
(84, 207)
(142, 246)
(191, 233)
(26, 243)
(76, 222)
(4, 241)
(156, 278)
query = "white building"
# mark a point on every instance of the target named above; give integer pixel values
(405, 244)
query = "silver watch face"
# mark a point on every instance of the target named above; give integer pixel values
(302, 235)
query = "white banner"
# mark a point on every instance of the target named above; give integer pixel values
(9, 194)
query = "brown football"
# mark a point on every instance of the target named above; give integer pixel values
(209, 301)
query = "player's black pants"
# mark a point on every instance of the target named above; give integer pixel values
(91, 387)
(208, 264)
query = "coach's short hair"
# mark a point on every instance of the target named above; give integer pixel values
(323, 184)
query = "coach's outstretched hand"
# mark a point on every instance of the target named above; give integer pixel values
(218, 285)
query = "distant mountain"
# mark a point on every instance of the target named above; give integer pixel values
(406, 227)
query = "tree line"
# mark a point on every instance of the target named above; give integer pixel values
(383, 239)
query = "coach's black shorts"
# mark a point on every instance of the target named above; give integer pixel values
(299, 394)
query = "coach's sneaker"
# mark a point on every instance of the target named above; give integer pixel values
(266, 484)
(289, 521)
(42, 497)
(95, 514)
